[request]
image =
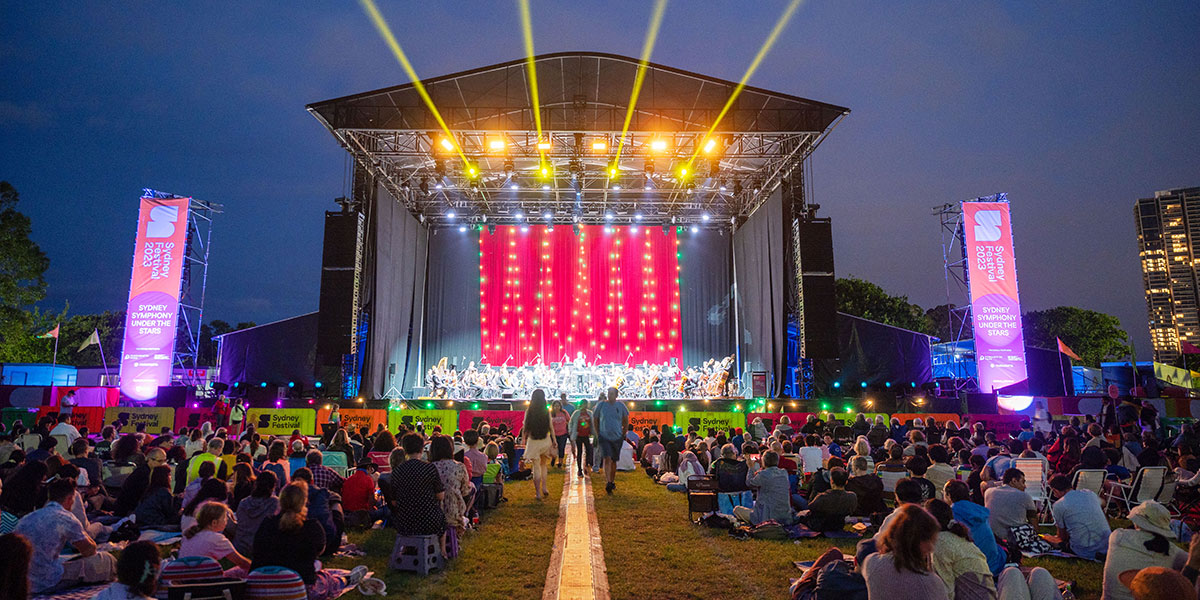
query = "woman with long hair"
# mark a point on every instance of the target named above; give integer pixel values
(903, 567)
(23, 487)
(292, 540)
(211, 489)
(341, 443)
(956, 559)
(277, 463)
(560, 419)
(15, 554)
(539, 441)
(456, 482)
(261, 504)
(158, 508)
(241, 484)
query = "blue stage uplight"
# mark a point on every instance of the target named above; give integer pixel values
(263, 384)
(864, 384)
(291, 384)
(317, 384)
(888, 384)
(837, 384)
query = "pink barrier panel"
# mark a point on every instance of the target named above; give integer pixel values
(941, 418)
(192, 417)
(468, 419)
(1001, 424)
(91, 417)
(88, 396)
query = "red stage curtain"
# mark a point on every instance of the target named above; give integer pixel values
(611, 293)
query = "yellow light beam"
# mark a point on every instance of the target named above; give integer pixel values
(386, 32)
(531, 69)
(762, 53)
(656, 18)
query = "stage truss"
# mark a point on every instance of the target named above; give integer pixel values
(567, 172)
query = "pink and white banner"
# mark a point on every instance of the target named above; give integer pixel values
(153, 306)
(995, 306)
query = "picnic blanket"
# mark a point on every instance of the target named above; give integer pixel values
(77, 593)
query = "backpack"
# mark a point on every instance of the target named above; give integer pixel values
(837, 581)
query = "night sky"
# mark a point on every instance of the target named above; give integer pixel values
(1075, 109)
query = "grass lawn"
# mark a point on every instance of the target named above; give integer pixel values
(507, 557)
(652, 551)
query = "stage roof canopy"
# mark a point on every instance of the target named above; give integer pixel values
(574, 174)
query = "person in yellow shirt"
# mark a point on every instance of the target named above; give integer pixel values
(213, 455)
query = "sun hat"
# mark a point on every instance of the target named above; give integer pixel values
(1153, 517)
(1154, 583)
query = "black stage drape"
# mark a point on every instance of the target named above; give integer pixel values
(452, 298)
(875, 353)
(705, 292)
(395, 295)
(758, 263)
(276, 353)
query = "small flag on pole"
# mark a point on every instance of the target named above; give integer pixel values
(93, 339)
(1062, 348)
(53, 333)
(1188, 348)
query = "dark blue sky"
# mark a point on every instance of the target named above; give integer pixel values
(1075, 109)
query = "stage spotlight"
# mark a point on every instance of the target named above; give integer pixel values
(472, 172)
(291, 384)
(491, 229)
(509, 167)
(546, 186)
(613, 172)
(608, 216)
(683, 172)
(450, 215)
(837, 384)
(616, 187)
(496, 145)
(666, 229)
(599, 145)
(545, 171)
(721, 189)
(695, 229)
(648, 166)
(710, 145)
(317, 384)
(262, 384)
(658, 145)
(524, 229)
(637, 216)
(547, 215)
(633, 230)
(864, 384)
(543, 145)
(437, 186)
(705, 217)
(462, 228)
(514, 186)
(446, 144)
(518, 215)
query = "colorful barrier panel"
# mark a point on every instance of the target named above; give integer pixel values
(722, 421)
(849, 417)
(155, 418)
(91, 417)
(353, 418)
(469, 419)
(282, 421)
(11, 415)
(1001, 424)
(770, 419)
(643, 419)
(444, 418)
(193, 417)
(940, 418)
(102, 397)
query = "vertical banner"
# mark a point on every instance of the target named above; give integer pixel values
(995, 307)
(153, 307)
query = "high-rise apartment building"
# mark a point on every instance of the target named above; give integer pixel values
(1168, 227)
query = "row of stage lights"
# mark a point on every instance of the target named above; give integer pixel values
(548, 219)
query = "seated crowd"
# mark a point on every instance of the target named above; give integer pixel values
(243, 499)
(918, 480)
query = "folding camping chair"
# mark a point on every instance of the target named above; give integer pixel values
(1146, 485)
(701, 495)
(1035, 486)
(889, 482)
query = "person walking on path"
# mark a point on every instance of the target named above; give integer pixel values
(540, 447)
(580, 432)
(612, 419)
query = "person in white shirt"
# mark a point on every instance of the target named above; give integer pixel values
(1009, 505)
(67, 403)
(65, 428)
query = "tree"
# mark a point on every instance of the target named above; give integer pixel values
(865, 299)
(943, 328)
(210, 330)
(1094, 336)
(110, 325)
(22, 263)
(19, 342)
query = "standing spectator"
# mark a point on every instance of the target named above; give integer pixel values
(237, 415)
(559, 421)
(52, 527)
(67, 404)
(251, 512)
(539, 443)
(612, 418)
(1082, 527)
(1010, 505)
(903, 568)
(580, 432)
(220, 411)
